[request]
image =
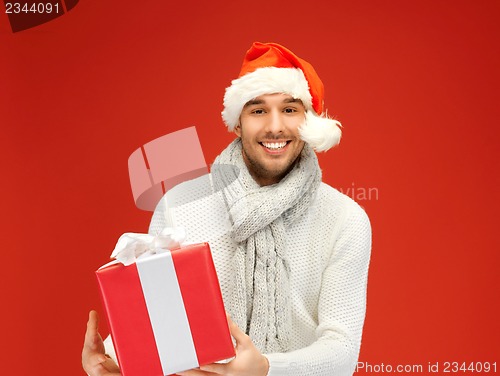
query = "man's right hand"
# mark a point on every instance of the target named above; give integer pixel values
(94, 360)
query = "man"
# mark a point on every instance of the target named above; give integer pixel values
(291, 253)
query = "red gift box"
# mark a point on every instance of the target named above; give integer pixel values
(165, 312)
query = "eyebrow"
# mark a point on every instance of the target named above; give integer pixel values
(260, 101)
(253, 101)
(292, 100)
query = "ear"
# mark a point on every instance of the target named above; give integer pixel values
(237, 130)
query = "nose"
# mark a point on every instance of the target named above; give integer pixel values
(275, 123)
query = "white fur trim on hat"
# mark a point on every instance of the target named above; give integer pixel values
(320, 132)
(267, 80)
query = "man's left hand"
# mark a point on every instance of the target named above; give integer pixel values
(247, 362)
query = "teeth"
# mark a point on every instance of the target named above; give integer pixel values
(274, 145)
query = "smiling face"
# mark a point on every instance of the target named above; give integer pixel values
(269, 131)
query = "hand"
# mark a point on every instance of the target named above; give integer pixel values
(94, 360)
(247, 362)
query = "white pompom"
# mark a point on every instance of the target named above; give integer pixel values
(321, 133)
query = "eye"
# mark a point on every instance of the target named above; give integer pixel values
(258, 111)
(290, 110)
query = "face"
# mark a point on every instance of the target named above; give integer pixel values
(269, 131)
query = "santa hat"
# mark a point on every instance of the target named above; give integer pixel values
(270, 68)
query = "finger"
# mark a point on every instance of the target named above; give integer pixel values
(93, 323)
(235, 331)
(95, 359)
(106, 368)
(194, 372)
(92, 334)
(101, 371)
(110, 364)
(217, 368)
(93, 347)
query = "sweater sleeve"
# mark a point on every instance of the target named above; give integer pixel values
(341, 307)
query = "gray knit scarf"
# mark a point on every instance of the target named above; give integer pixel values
(260, 216)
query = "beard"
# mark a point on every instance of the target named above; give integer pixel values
(267, 171)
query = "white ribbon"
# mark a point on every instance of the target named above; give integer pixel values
(130, 246)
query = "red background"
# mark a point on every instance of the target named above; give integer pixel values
(415, 84)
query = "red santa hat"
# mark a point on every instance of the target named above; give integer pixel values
(270, 68)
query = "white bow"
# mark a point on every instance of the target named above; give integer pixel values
(130, 246)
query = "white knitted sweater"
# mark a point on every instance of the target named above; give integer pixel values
(329, 252)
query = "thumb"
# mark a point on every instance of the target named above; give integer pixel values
(235, 331)
(93, 322)
(92, 338)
